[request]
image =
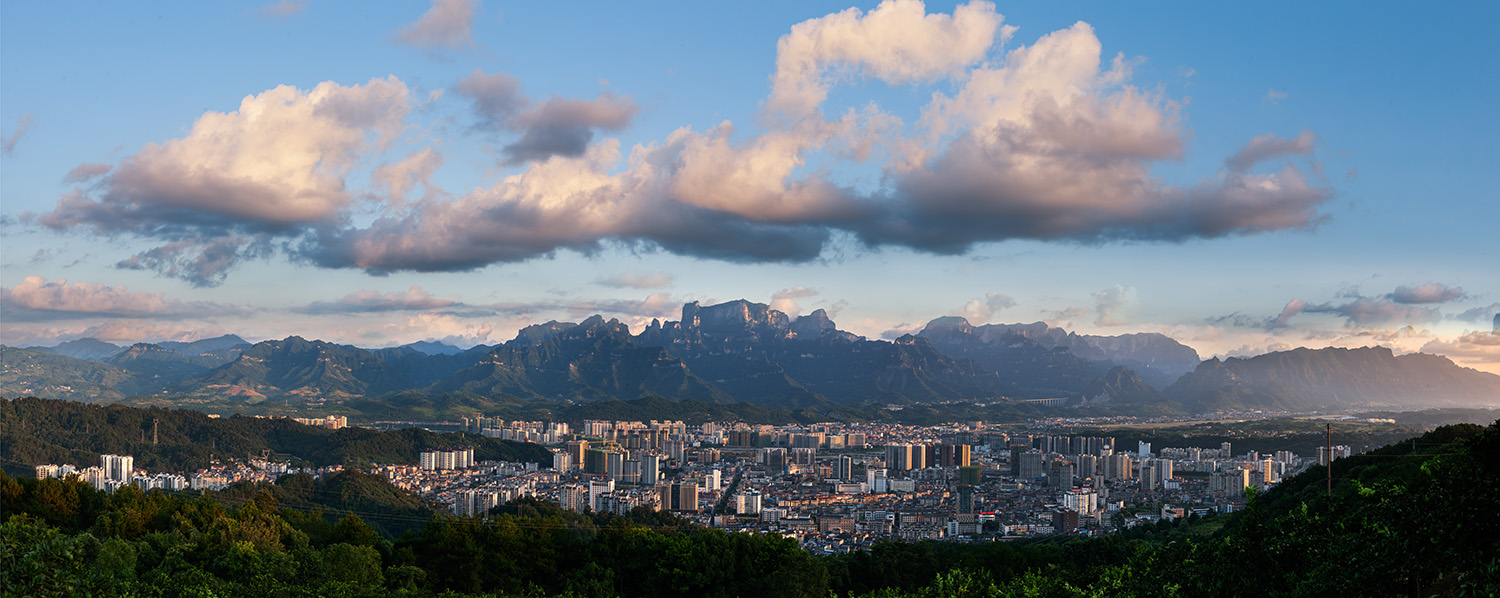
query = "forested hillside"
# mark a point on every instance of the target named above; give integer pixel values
(1414, 518)
(34, 431)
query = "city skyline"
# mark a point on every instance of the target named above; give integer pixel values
(1243, 179)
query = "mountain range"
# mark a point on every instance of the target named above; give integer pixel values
(744, 352)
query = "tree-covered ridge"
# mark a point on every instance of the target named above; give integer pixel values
(24, 371)
(64, 538)
(1413, 518)
(35, 431)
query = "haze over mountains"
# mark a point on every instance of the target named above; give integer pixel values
(741, 351)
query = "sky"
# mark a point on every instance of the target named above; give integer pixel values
(1242, 177)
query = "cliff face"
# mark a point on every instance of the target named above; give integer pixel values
(735, 318)
(1332, 378)
(1120, 384)
(1037, 369)
(1051, 360)
(813, 326)
(749, 349)
(592, 360)
(1149, 352)
(745, 351)
(536, 334)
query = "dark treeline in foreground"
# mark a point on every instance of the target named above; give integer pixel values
(1413, 518)
(34, 431)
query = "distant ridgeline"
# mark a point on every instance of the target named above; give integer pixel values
(735, 354)
(1413, 518)
(36, 431)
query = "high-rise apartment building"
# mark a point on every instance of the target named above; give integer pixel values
(1060, 475)
(650, 469)
(965, 503)
(573, 497)
(898, 457)
(1230, 483)
(596, 460)
(1118, 467)
(576, 449)
(1033, 464)
(775, 459)
(1088, 465)
(598, 489)
(747, 502)
(117, 467)
(843, 469)
(675, 449)
(680, 497)
(1017, 448)
(1082, 500)
(562, 461)
(954, 455)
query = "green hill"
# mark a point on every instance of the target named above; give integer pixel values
(28, 372)
(35, 431)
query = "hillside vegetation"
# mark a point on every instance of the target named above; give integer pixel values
(35, 431)
(1413, 518)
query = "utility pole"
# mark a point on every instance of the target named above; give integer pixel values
(1328, 454)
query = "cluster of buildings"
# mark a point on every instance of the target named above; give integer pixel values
(117, 471)
(841, 487)
(519, 431)
(446, 458)
(332, 422)
(834, 487)
(113, 473)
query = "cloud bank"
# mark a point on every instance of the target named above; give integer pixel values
(282, 10)
(980, 311)
(447, 24)
(556, 126)
(638, 280)
(39, 299)
(1432, 292)
(24, 124)
(414, 299)
(1048, 142)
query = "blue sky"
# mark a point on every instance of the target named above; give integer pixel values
(1242, 177)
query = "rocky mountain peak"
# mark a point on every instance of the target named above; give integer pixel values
(596, 326)
(813, 326)
(536, 334)
(735, 319)
(948, 325)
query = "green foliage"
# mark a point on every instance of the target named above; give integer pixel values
(1413, 518)
(42, 561)
(27, 372)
